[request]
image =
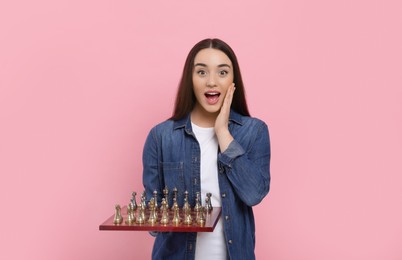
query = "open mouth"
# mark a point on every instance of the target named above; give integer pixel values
(212, 97)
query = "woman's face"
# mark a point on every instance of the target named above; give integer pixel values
(212, 76)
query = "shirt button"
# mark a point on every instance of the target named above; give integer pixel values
(223, 195)
(230, 241)
(227, 217)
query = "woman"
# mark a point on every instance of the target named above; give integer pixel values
(210, 144)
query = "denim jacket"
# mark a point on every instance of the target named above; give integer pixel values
(171, 158)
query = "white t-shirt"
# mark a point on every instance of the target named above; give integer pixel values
(210, 245)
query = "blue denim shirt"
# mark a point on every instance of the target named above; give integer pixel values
(171, 158)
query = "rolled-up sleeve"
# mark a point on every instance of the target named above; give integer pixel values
(249, 170)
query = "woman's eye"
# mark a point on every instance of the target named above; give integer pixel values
(201, 73)
(223, 73)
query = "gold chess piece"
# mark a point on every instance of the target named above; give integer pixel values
(141, 215)
(130, 215)
(152, 212)
(176, 214)
(201, 217)
(118, 219)
(188, 220)
(165, 216)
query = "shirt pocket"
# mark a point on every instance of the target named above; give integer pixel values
(173, 174)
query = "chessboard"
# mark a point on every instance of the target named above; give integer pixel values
(211, 219)
(164, 218)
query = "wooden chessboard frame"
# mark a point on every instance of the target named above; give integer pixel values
(211, 219)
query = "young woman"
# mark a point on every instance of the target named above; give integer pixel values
(210, 144)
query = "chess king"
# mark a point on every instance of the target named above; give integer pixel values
(211, 144)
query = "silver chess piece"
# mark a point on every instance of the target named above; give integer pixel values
(186, 203)
(174, 196)
(166, 195)
(197, 202)
(155, 193)
(133, 200)
(208, 203)
(118, 219)
(130, 215)
(141, 215)
(143, 199)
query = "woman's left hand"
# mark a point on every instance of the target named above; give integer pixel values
(222, 121)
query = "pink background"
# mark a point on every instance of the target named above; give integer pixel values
(82, 82)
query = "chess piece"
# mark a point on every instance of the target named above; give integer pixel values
(166, 195)
(155, 193)
(197, 202)
(188, 220)
(130, 216)
(118, 219)
(152, 212)
(174, 202)
(186, 204)
(133, 200)
(165, 216)
(133, 215)
(208, 204)
(141, 215)
(175, 193)
(143, 199)
(201, 217)
(174, 197)
(176, 214)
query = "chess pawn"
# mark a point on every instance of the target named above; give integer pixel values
(166, 195)
(174, 203)
(165, 216)
(152, 219)
(201, 217)
(208, 204)
(129, 219)
(133, 200)
(141, 215)
(133, 215)
(118, 219)
(143, 199)
(176, 214)
(155, 193)
(186, 204)
(175, 193)
(188, 220)
(197, 202)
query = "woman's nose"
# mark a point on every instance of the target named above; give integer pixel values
(211, 82)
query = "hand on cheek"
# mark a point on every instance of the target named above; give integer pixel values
(222, 121)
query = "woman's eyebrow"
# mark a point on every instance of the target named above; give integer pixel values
(204, 65)
(223, 65)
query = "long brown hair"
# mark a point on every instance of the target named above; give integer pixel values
(185, 99)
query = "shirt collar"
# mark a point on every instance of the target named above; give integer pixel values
(185, 122)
